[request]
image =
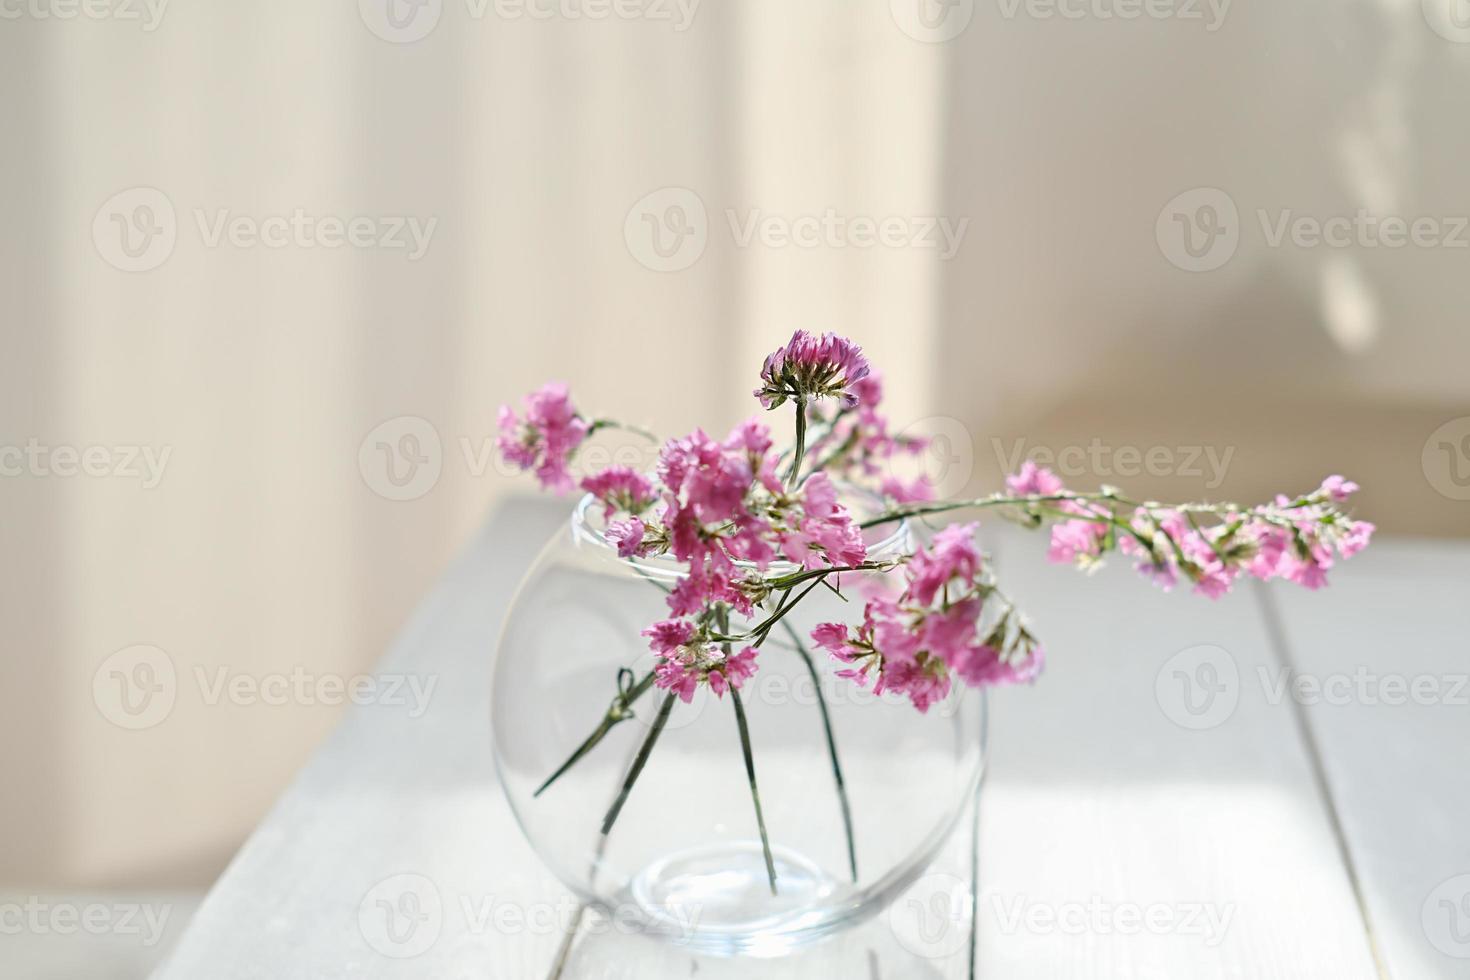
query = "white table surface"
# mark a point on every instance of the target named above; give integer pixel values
(1124, 831)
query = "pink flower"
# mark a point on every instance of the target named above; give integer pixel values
(983, 666)
(1032, 480)
(683, 667)
(812, 367)
(916, 491)
(667, 635)
(952, 556)
(628, 536)
(831, 637)
(1076, 540)
(1355, 539)
(546, 438)
(620, 488)
(1268, 544)
(1337, 488)
(823, 533)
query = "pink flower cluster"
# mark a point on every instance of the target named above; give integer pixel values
(546, 438)
(723, 504)
(1297, 540)
(914, 644)
(621, 488)
(687, 659)
(808, 367)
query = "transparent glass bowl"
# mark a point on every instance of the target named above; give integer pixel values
(684, 858)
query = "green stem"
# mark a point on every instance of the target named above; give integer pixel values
(800, 450)
(811, 669)
(620, 710)
(764, 629)
(755, 793)
(637, 430)
(639, 762)
(796, 578)
(995, 500)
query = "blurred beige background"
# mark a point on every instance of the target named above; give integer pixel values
(262, 388)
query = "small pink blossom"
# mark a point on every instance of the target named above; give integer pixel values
(546, 438)
(1076, 541)
(916, 491)
(1337, 488)
(667, 635)
(620, 488)
(627, 536)
(1355, 538)
(682, 668)
(1032, 480)
(952, 556)
(983, 666)
(823, 532)
(812, 367)
(831, 637)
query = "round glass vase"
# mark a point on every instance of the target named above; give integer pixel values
(684, 858)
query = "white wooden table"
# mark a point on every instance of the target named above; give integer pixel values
(1157, 806)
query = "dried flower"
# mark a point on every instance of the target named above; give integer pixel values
(811, 367)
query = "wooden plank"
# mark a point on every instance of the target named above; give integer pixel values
(1381, 661)
(1120, 790)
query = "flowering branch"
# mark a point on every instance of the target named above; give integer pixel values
(746, 539)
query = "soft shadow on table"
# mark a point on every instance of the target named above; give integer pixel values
(615, 956)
